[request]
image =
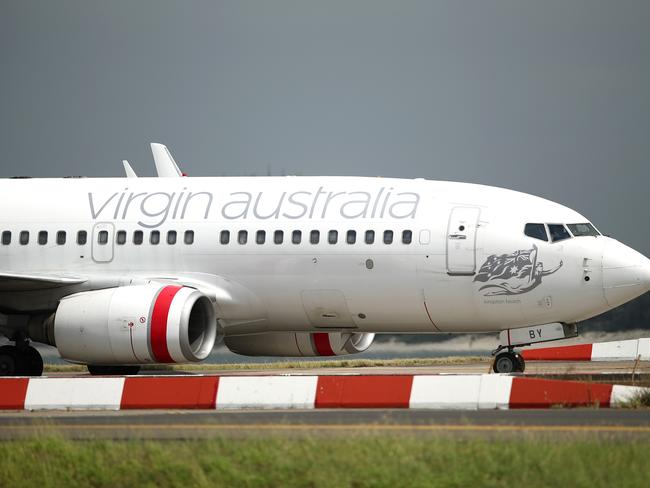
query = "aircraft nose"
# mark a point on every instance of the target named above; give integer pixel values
(626, 273)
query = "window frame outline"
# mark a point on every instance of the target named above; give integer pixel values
(83, 233)
(117, 237)
(546, 229)
(550, 236)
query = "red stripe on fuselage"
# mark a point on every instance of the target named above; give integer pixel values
(159, 318)
(322, 344)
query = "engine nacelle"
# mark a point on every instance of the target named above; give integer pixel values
(300, 344)
(153, 323)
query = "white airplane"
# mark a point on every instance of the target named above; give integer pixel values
(123, 272)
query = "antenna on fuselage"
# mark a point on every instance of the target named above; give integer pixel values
(128, 169)
(166, 167)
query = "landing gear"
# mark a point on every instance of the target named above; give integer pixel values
(96, 370)
(8, 361)
(20, 361)
(508, 362)
(512, 362)
(32, 360)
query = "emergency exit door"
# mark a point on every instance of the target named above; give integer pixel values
(102, 242)
(461, 240)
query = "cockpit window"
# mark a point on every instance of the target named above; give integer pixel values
(558, 232)
(585, 229)
(536, 231)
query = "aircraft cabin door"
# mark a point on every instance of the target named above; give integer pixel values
(461, 240)
(103, 242)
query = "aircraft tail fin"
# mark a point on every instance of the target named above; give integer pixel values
(166, 167)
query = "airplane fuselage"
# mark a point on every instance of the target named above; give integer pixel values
(319, 253)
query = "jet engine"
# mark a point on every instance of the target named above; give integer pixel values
(300, 344)
(153, 323)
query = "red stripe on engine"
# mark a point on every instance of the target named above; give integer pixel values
(159, 318)
(322, 344)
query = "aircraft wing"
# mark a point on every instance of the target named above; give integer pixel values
(16, 281)
(235, 302)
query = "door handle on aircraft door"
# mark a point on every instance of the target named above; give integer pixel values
(457, 236)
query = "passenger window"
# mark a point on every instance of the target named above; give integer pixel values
(579, 230)
(370, 237)
(536, 231)
(61, 237)
(351, 237)
(172, 236)
(333, 236)
(296, 237)
(82, 237)
(154, 237)
(225, 237)
(314, 236)
(121, 237)
(260, 237)
(138, 237)
(407, 237)
(278, 237)
(188, 239)
(388, 237)
(558, 232)
(102, 237)
(24, 237)
(42, 237)
(242, 238)
(6, 238)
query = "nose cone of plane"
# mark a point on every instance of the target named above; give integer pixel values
(626, 273)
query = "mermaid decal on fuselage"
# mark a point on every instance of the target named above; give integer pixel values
(513, 274)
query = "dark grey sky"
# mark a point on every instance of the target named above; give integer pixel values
(547, 97)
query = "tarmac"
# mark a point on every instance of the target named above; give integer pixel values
(184, 424)
(606, 370)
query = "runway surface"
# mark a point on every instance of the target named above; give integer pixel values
(204, 424)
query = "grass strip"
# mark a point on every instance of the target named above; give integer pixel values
(336, 363)
(356, 461)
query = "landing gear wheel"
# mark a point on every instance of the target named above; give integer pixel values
(508, 362)
(20, 361)
(32, 361)
(96, 370)
(521, 363)
(9, 364)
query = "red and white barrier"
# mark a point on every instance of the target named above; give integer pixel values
(600, 351)
(470, 392)
(238, 392)
(70, 393)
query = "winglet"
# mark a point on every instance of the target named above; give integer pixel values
(165, 165)
(128, 169)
